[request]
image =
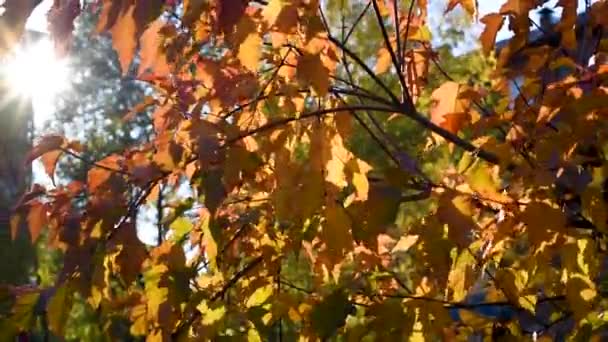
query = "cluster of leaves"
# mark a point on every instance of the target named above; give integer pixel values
(290, 232)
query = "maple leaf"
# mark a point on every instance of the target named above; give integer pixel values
(250, 51)
(449, 110)
(469, 5)
(126, 21)
(58, 309)
(61, 18)
(45, 145)
(493, 23)
(153, 57)
(311, 71)
(36, 219)
(384, 61)
(273, 10)
(229, 12)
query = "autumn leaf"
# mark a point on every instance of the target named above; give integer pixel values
(153, 57)
(106, 172)
(383, 62)
(259, 296)
(580, 293)
(58, 309)
(272, 11)
(250, 51)
(542, 221)
(330, 314)
(45, 145)
(229, 12)
(405, 243)
(456, 211)
(449, 111)
(36, 219)
(493, 23)
(468, 5)
(126, 21)
(311, 71)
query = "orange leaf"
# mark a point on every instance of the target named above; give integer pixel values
(124, 39)
(98, 176)
(153, 58)
(36, 219)
(126, 21)
(312, 72)
(250, 51)
(493, 23)
(46, 144)
(49, 161)
(448, 110)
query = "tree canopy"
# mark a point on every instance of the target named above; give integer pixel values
(331, 178)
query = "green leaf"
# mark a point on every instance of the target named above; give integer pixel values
(180, 227)
(330, 315)
(58, 309)
(24, 310)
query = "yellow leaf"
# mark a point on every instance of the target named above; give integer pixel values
(474, 320)
(482, 179)
(138, 317)
(383, 62)
(457, 212)
(260, 296)
(580, 292)
(211, 315)
(253, 336)
(272, 11)
(422, 34)
(468, 5)
(336, 230)
(311, 71)
(528, 302)
(250, 51)
(542, 220)
(405, 243)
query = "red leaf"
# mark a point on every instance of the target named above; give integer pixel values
(229, 12)
(61, 18)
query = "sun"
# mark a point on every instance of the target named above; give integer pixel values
(34, 72)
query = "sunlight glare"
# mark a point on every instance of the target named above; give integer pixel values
(35, 72)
